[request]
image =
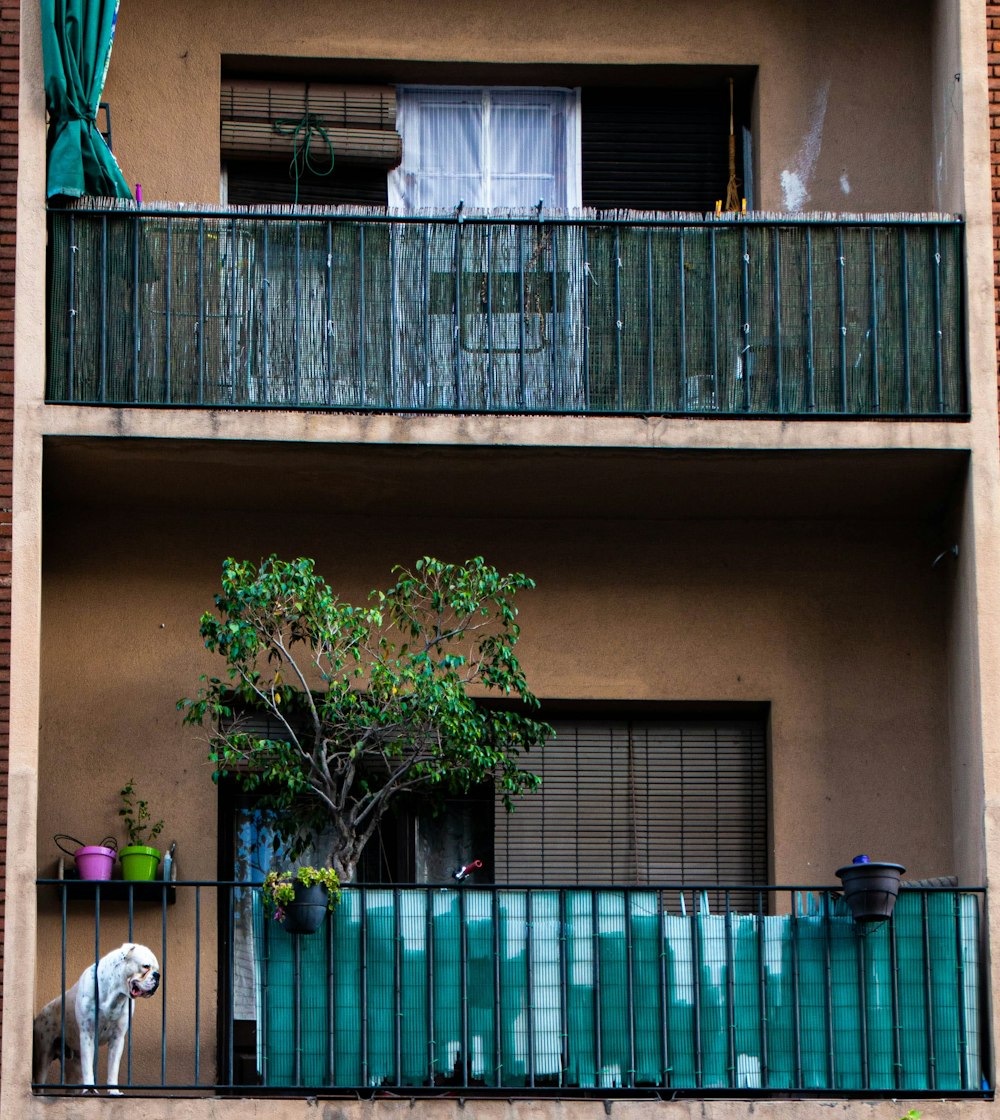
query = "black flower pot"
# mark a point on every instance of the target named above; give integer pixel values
(305, 913)
(870, 889)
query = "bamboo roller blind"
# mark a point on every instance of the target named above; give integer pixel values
(259, 119)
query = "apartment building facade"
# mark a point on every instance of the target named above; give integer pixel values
(748, 455)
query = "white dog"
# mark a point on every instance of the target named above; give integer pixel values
(131, 972)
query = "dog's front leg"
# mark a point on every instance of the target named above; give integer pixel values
(116, 1044)
(87, 1058)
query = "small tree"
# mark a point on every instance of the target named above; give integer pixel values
(371, 701)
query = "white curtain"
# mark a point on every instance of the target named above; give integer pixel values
(490, 148)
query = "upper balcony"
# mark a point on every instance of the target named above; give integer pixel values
(777, 316)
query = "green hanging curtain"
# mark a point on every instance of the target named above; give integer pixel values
(76, 47)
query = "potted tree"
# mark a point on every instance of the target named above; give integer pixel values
(139, 859)
(372, 702)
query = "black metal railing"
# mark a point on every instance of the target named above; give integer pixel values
(537, 990)
(756, 316)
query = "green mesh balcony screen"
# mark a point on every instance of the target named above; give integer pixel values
(782, 317)
(610, 989)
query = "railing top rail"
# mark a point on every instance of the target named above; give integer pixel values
(459, 217)
(716, 887)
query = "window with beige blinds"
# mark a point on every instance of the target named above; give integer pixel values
(641, 802)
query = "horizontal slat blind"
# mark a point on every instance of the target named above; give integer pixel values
(269, 120)
(645, 801)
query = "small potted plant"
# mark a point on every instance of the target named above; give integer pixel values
(300, 899)
(138, 859)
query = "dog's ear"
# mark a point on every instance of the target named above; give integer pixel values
(127, 948)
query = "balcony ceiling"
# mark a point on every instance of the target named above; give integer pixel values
(498, 482)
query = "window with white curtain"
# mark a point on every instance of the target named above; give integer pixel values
(488, 148)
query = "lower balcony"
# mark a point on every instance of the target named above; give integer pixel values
(540, 991)
(315, 310)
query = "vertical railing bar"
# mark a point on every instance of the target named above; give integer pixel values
(97, 979)
(458, 315)
(136, 331)
(265, 319)
(397, 980)
(664, 993)
(796, 996)
(296, 321)
(463, 981)
(233, 322)
(265, 1004)
(331, 1006)
(230, 975)
(167, 321)
(297, 1011)
(897, 1028)
(618, 320)
(682, 299)
(201, 311)
(862, 943)
(810, 357)
(521, 311)
(529, 965)
(554, 247)
(630, 987)
(762, 993)
(650, 332)
(905, 259)
(842, 317)
(427, 314)
(497, 1015)
(429, 959)
(163, 992)
(393, 401)
(104, 309)
(828, 985)
(730, 996)
(963, 1026)
(873, 267)
(696, 969)
(586, 319)
(928, 993)
(62, 994)
(596, 954)
(715, 321)
(363, 949)
(74, 252)
(197, 986)
(779, 366)
(329, 318)
(489, 317)
(745, 312)
(362, 317)
(938, 334)
(563, 990)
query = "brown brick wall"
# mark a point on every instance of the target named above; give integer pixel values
(9, 40)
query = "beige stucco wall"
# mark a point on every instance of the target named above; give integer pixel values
(843, 100)
(839, 625)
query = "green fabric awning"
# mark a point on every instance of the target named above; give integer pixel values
(76, 48)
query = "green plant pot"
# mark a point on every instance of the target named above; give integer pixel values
(139, 863)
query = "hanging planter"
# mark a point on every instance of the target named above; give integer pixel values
(300, 899)
(93, 861)
(870, 888)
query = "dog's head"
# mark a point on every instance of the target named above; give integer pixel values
(141, 970)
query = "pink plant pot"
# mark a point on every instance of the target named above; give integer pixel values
(94, 861)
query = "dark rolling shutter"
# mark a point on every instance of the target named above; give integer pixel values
(656, 149)
(641, 802)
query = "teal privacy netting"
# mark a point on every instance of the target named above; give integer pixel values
(778, 316)
(603, 990)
